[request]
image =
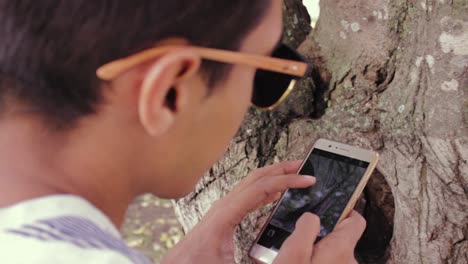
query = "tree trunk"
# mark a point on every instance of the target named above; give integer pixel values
(391, 76)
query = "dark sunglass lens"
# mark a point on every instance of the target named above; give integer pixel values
(269, 87)
(285, 52)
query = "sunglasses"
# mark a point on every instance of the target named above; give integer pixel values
(275, 78)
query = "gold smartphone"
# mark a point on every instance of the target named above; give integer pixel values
(342, 172)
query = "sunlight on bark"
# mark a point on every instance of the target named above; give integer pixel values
(314, 10)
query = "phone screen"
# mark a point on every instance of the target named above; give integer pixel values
(337, 178)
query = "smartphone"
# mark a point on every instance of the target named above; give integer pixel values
(342, 172)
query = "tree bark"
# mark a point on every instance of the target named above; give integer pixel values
(391, 76)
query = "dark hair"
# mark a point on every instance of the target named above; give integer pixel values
(50, 49)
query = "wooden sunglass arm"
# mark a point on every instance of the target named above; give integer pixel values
(113, 69)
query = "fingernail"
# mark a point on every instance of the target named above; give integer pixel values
(309, 178)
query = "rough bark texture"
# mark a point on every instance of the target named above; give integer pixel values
(391, 75)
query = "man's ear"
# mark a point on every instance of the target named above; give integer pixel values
(159, 100)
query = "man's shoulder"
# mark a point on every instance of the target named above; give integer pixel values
(19, 248)
(62, 236)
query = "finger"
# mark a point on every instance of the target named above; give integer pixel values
(298, 248)
(252, 196)
(344, 238)
(271, 198)
(352, 227)
(282, 168)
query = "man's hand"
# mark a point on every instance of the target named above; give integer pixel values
(336, 247)
(211, 241)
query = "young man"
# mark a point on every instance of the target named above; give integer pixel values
(76, 149)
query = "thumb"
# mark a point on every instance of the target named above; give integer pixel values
(300, 244)
(352, 227)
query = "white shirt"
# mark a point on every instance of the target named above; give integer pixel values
(61, 229)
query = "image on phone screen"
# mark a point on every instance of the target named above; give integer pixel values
(337, 179)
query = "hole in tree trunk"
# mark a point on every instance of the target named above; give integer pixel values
(378, 207)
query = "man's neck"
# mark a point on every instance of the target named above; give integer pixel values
(34, 163)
